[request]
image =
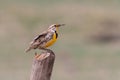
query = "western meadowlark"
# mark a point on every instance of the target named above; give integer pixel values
(45, 39)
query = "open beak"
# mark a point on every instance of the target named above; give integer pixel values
(59, 25)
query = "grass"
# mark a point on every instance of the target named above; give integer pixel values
(76, 55)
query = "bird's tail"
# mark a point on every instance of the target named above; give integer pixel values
(27, 50)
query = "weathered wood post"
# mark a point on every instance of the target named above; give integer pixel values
(42, 66)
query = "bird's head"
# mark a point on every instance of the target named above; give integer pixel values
(54, 27)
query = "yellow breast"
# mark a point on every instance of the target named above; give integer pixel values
(53, 40)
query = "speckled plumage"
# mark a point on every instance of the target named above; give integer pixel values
(45, 39)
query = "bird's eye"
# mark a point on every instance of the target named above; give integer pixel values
(56, 25)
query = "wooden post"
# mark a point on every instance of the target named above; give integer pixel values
(42, 66)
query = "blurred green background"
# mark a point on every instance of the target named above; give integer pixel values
(88, 47)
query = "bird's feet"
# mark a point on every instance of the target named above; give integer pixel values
(37, 56)
(42, 56)
(45, 52)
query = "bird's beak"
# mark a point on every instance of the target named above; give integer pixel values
(59, 25)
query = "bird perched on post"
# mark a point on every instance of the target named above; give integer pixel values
(45, 39)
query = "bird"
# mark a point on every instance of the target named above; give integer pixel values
(45, 39)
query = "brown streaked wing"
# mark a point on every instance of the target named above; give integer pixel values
(37, 40)
(42, 35)
(49, 36)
